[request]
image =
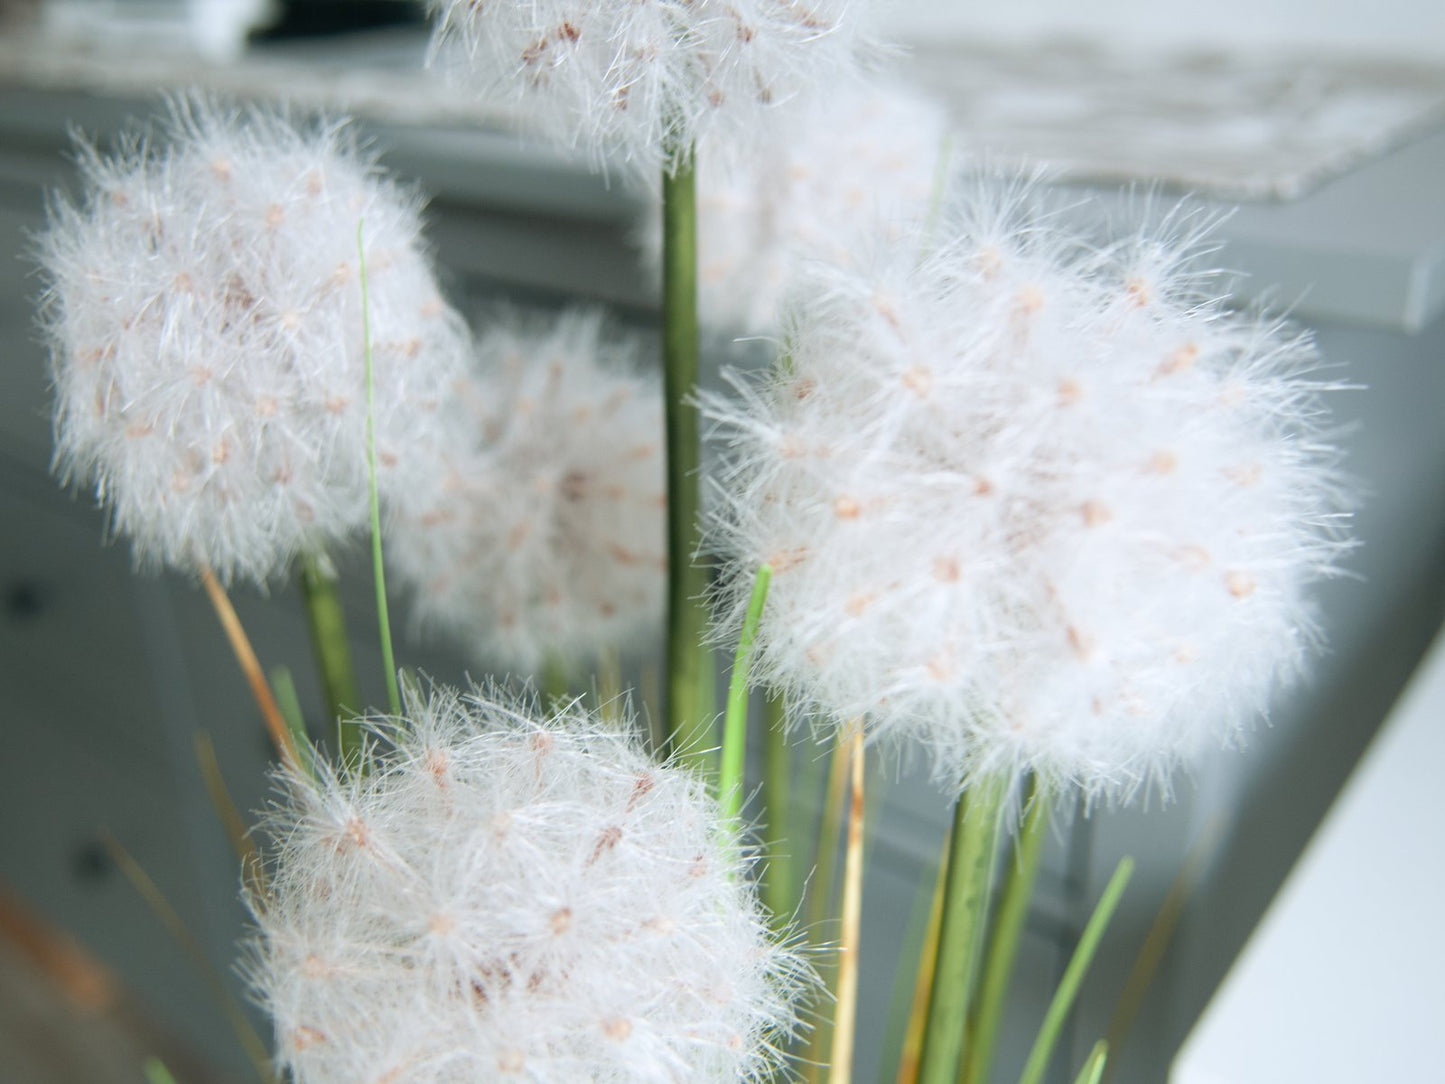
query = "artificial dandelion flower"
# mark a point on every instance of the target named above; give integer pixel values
(870, 151)
(648, 78)
(205, 321)
(504, 897)
(540, 534)
(1040, 504)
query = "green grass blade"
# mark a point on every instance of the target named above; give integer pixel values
(283, 687)
(332, 648)
(1093, 1070)
(1156, 942)
(1068, 990)
(156, 1071)
(378, 571)
(735, 720)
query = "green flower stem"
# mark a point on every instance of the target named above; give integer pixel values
(778, 891)
(690, 695)
(1068, 990)
(156, 1071)
(965, 908)
(735, 721)
(1013, 907)
(333, 652)
(378, 571)
(1093, 1070)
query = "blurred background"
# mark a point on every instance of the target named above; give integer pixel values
(1321, 121)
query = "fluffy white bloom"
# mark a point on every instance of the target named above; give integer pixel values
(1040, 504)
(648, 78)
(542, 531)
(205, 322)
(502, 897)
(868, 152)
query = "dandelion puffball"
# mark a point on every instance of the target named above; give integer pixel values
(502, 897)
(1041, 504)
(541, 534)
(871, 150)
(648, 78)
(204, 313)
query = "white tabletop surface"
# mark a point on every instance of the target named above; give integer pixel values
(1344, 979)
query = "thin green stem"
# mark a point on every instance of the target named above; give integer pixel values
(1013, 907)
(778, 890)
(1093, 1070)
(378, 571)
(1068, 990)
(965, 909)
(327, 619)
(735, 720)
(690, 695)
(156, 1071)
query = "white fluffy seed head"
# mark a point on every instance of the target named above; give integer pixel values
(205, 323)
(506, 897)
(1043, 505)
(868, 152)
(540, 533)
(649, 78)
